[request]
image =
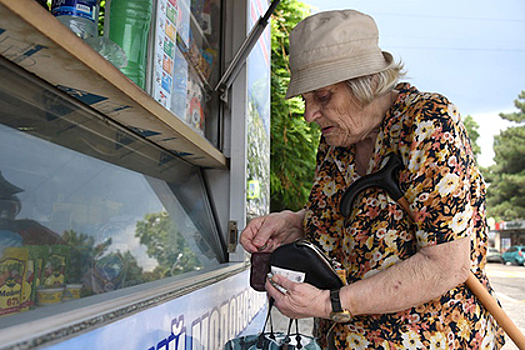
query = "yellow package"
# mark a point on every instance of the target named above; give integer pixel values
(33, 275)
(56, 264)
(14, 289)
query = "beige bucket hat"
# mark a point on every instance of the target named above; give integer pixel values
(331, 47)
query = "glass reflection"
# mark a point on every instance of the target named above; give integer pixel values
(73, 226)
(87, 207)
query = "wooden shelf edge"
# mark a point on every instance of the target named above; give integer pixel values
(58, 56)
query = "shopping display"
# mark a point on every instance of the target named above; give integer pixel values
(33, 275)
(107, 216)
(39, 267)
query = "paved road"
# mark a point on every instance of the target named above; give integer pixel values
(507, 280)
(509, 283)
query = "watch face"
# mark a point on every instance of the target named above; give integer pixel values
(341, 317)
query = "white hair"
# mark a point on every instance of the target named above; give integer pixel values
(367, 88)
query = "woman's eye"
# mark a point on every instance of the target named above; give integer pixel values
(323, 96)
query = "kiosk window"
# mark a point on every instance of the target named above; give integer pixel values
(87, 207)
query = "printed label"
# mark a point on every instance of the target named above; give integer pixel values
(78, 8)
(12, 282)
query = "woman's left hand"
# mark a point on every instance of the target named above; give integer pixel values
(301, 300)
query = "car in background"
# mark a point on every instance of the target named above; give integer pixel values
(514, 255)
(494, 255)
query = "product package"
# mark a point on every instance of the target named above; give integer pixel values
(56, 264)
(33, 275)
(13, 286)
(109, 273)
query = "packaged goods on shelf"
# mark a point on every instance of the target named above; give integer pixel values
(13, 285)
(183, 59)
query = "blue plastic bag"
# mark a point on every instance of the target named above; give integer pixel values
(274, 340)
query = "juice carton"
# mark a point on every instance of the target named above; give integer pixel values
(33, 274)
(55, 265)
(13, 286)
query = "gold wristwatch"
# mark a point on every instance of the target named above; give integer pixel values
(338, 314)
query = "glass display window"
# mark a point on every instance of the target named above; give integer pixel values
(87, 207)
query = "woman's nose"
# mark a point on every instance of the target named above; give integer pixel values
(311, 111)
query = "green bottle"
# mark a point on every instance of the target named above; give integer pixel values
(129, 24)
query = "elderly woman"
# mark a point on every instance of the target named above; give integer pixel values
(405, 278)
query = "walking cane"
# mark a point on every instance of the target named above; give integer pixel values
(386, 180)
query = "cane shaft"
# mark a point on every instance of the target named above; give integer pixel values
(485, 298)
(404, 204)
(496, 311)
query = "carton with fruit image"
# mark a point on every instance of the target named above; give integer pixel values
(33, 274)
(55, 265)
(14, 288)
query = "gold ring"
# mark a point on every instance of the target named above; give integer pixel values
(263, 247)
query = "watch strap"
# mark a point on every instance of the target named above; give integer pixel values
(335, 300)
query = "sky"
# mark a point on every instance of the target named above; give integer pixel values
(473, 52)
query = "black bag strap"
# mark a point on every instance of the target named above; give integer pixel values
(262, 339)
(264, 336)
(298, 335)
(288, 339)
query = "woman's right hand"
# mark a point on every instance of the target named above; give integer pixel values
(265, 233)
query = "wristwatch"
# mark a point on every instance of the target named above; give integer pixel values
(338, 314)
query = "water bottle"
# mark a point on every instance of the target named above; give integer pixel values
(129, 23)
(81, 16)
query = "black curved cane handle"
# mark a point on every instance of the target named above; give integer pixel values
(384, 179)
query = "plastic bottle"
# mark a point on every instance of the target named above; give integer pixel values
(81, 16)
(129, 23)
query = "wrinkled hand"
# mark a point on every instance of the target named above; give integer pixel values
(268, 232)
(301, 300)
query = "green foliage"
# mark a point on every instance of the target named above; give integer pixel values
(85, 254)
(293, 142)
(506, 193)
(157, 232)
(165, 243)
(101, 17)
(472, 131)
(518, 117)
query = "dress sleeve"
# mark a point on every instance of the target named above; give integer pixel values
(436, 175)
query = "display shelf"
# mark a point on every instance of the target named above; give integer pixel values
(36, 41)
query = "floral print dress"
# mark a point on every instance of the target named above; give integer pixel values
(446, 193)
